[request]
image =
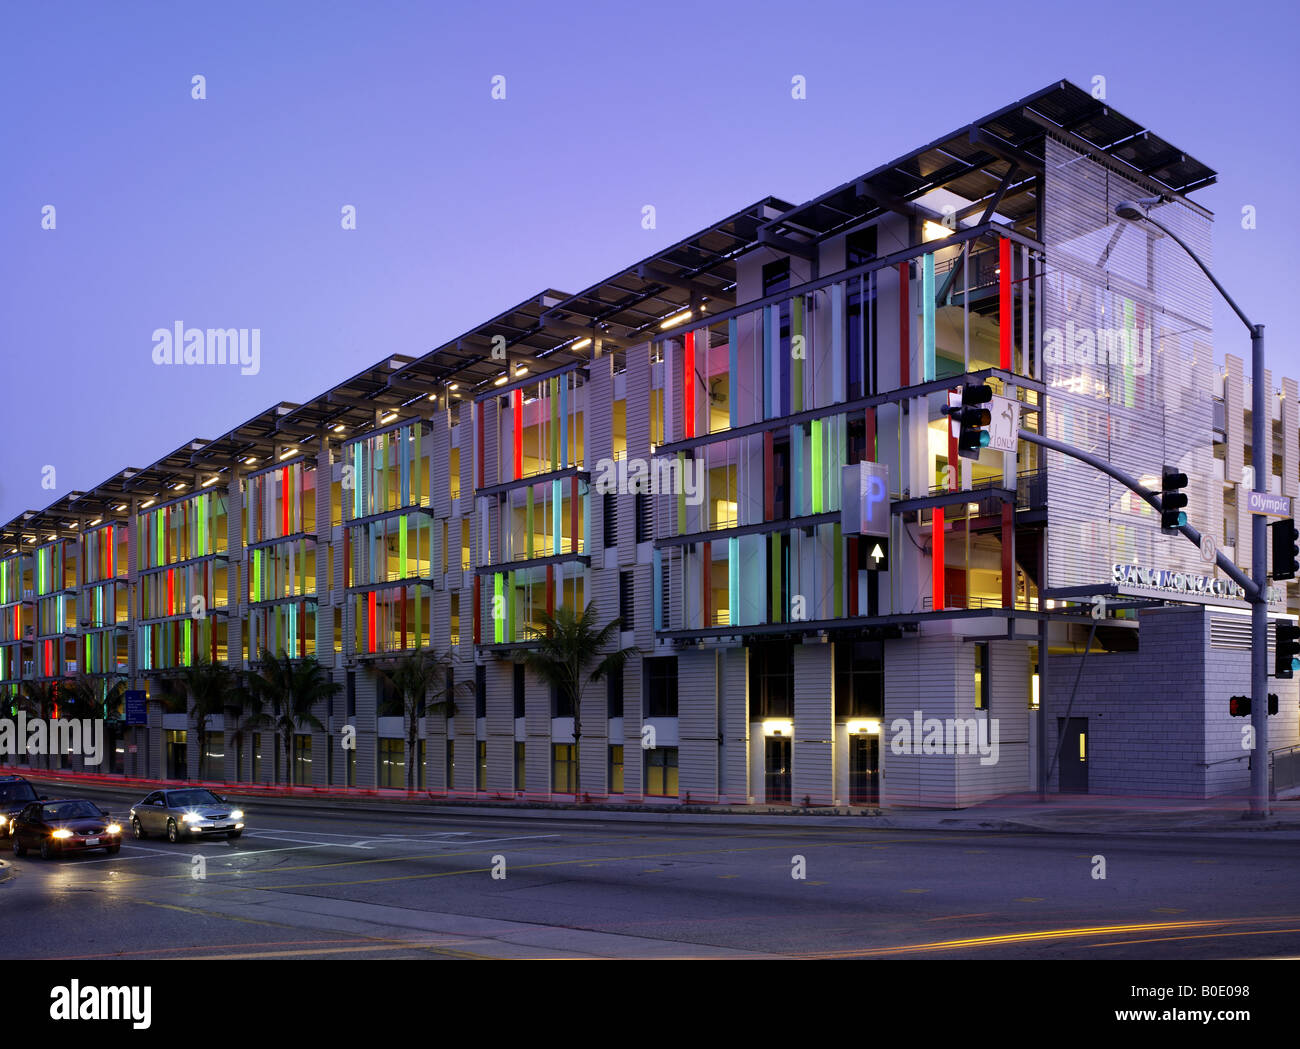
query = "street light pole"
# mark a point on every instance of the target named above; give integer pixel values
(1139, 211)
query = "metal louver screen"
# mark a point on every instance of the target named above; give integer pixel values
(1128, 363)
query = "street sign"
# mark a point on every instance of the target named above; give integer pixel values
(864, 488)
(1005, 424)
(135, 707)
(876, 552)
(1268, 504)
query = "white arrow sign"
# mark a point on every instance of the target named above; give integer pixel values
(1004, 421)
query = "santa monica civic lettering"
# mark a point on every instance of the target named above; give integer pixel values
(1174, 582)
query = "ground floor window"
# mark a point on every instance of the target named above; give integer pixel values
(451, 764)
(519, 766)
(392, 763)
(177, 757)
(564, 768)
(302, 759)
(212, 761)
(661, 772)
(616, 769)
(352, 766)
(257, 757)
(423, 760)
(481, 779)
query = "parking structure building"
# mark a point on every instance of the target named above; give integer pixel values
(682, 445)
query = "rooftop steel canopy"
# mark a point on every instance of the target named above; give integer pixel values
(973, 161)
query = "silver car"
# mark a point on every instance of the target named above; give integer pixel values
(184, 814)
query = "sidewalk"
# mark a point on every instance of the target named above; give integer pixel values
(1023, 813)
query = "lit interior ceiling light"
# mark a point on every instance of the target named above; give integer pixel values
(339, 428)
(95, 521)
(388, 418)
(120, 507)
(250, 460)
(211, 481)
(934, 231)
(521, 369)
(581, 344)
(860, 726)
(179, 485)
(500, 380)
(778, 727)
(146, 505)
(454, 386)
(676, 319)
(288, 452)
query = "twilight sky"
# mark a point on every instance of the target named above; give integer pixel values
(225, 212)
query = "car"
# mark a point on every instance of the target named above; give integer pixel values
(185, 814)
(60, 827)
(16, 794)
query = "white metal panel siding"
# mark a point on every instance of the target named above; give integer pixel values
(633, 755)
(637, 441)
(814, 725)
(697, 723)
(922, 674)
(735, 725)
(440, 471)
(1290, 436)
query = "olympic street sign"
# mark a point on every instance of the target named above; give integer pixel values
(1268, 504)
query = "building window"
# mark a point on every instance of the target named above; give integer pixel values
(392, 763)
(519, 766)
(451, 764)
(661, 687)
(213, 760)
(257, 757)
(481, 773)
(420, 764)
(480, 691)
(352, 766)
(859, 247)
(614, 693)
(561, 702)
(616, 769)
(982, 675)
(661, 772)
(859, 679)
(352, 693)
(644, 518)
(627, 600)
(610, 503)
(1033, 677)
(776, 277)
(519, 690)
(564, 768)
(301, 758)
(775, 679)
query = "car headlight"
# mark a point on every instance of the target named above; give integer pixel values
(191, 817)
(113, 828)
(237, 814)
(63, 832)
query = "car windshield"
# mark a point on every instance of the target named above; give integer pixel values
(69, 810)
(178, 799)
(16, 792)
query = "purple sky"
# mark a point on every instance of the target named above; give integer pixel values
(225, 212)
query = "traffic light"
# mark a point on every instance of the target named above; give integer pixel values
(1286, 549)
(1286, 650)
(1172, 500)
(1272, 702)
(971, 420)
(1239, 706)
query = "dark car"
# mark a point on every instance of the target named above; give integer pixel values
(16, 794)
(59, 827)
(186, 813)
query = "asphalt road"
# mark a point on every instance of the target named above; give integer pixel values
(314, 883)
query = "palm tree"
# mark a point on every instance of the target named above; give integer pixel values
(245, 714)
(290, 688)
(415, 677)
(207, 686)
(570, 645)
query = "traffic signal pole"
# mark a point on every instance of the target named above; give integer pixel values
(1256, 589)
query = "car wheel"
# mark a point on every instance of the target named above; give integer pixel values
(47, 853)
(172, 836)
(113, 850)
(234, 834)
(136, 830)
(19, 848)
